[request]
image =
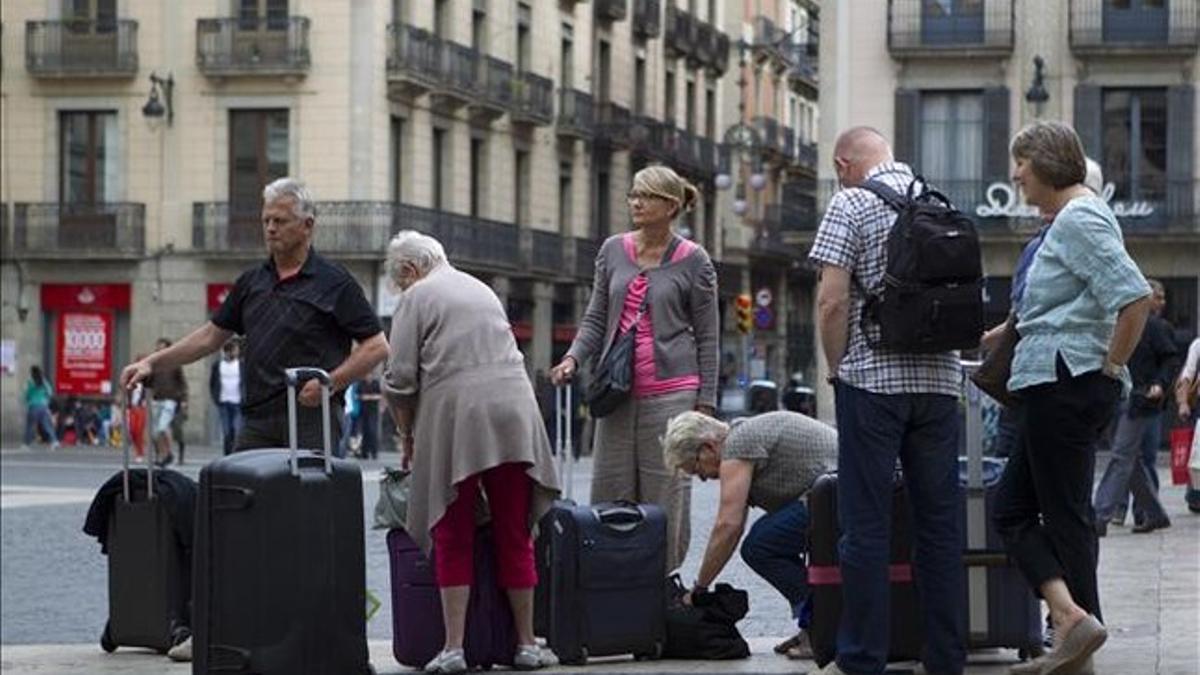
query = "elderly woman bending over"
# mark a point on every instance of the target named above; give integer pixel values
(1079, 319)
(675, 354)
(467, 415)
(769, 461)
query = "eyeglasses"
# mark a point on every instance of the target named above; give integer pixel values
(644, 196)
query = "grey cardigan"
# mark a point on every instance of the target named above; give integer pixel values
(683, 311)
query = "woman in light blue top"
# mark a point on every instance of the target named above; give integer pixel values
(1082, 312)
(37, 408)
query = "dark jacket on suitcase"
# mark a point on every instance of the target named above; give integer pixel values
(177, 491)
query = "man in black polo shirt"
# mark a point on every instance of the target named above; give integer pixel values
(295, 309)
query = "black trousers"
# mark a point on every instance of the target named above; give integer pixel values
(269, 429)
(1043, 506)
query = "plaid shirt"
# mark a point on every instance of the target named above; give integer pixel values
(853, 236)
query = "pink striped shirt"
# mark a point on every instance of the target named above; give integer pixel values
(645, 374)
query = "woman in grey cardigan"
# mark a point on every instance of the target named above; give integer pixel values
(466, 413)
(675, 353)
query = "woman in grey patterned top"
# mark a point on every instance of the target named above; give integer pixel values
(768, 461)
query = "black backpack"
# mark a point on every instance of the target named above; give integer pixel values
(931, 297)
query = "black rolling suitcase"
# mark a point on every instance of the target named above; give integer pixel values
(601, 569)
(1001, 609)
(824, 574)
(280, 571)
(149, 574)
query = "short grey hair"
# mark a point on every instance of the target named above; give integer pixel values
(1094, 178)
(281, 188)
(414, 248)
(686, 432)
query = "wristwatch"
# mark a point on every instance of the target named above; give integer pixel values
(1113, 370)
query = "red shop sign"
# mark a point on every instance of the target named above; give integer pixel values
(85, 296)
(217, 294)
(84, 359)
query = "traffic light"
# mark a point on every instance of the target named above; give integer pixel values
(745, 313)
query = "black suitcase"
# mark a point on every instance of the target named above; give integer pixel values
(1001, 608)
(824, 574)
(280, 569)
(149, 575)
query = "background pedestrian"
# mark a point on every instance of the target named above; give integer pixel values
(38, 394)
(225, 388)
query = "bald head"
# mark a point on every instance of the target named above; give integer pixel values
(858, 150)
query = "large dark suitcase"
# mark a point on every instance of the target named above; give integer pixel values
(149, 573)
(418, 632)
(824, 574)
(280, 571)
(1001, 608)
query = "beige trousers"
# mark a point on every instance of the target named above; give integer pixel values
(628, 464)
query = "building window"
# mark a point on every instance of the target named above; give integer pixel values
(689, 106)
(89, 162)
(261, 14)
(524, 25)
(442, 18)
(602, 212)
(521, 162)
(397, 159)
(441, 155)
(951, 142)
(639, 85)
(669, 97)
(479, 41)
(258, 152)
(478, 180)
(568, 57)
(1134, 146)
(566, 187)
(603, 72)
(87, 16)
(710, 111)
(950, 22)
(1136, 21)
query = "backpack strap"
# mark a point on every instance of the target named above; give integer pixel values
(885, 192)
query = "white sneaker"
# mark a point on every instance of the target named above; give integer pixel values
(533, 657)
(830, 668)
(181, 651)
(451, 661)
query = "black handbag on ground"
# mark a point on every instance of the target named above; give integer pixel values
(612, 377)
(707, 628)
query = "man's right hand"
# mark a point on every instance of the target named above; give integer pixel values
(563, 372)
(134, 373)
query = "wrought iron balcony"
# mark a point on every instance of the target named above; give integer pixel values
(99, 230)
(919, 28)
(767, 39)
(806, 155)
(253, 46)
(533, 100)
(796, 215)
(680, 36)
(720, 62)
(493, 88)
(650, 137)
(356, 228)
(81, 48)
(768, 133)
(469, 241)
(647, 18)
(802, 70)
(1106, 27)
(705, 51)
(613, 125)
(542, 251)
(787, 142)
(575, 113)
(412, 60)
(457, 67)
(612, 10)
(5, 233)
(586, 251)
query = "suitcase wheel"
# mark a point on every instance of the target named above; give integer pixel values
(652, 655)
(106, 641)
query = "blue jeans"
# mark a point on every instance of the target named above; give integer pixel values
(921, 430)
(1126, 473)
(1151, 442)
(38, 417)
(775, 549)
(231, 423)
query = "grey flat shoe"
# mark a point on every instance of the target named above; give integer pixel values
(1034, 667)
(1071, 656)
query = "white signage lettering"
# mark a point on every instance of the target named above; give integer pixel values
(1002, 202)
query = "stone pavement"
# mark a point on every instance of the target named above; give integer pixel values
(1150, 589)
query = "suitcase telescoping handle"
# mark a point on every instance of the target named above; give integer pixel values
(621, 515)
(564, 437)
(296, 376)
(127, 437)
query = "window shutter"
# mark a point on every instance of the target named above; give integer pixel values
(1181, 132)
(997, 133)
(906, 141)
(1088, 111)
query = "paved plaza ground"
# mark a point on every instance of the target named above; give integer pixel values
(53, 595)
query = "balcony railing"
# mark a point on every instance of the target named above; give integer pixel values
(107, 229)
(706, 43)
(575, 113)
(806, 155)
(544, 251)
(412, 59)
(680, 31)
(1098, 26)
(802, 58)
(768, 133)
(80, 48)
(919, 28)
(613, 125)
(647, 18)
(457, 68)
(5, 233)
(493, 87)
(586, 251)
(767, 38)
(254, 46)
(611, 10)
(533, 102)
(467, 240)
(799, 215)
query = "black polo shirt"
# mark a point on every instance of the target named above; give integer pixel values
(308, 319)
